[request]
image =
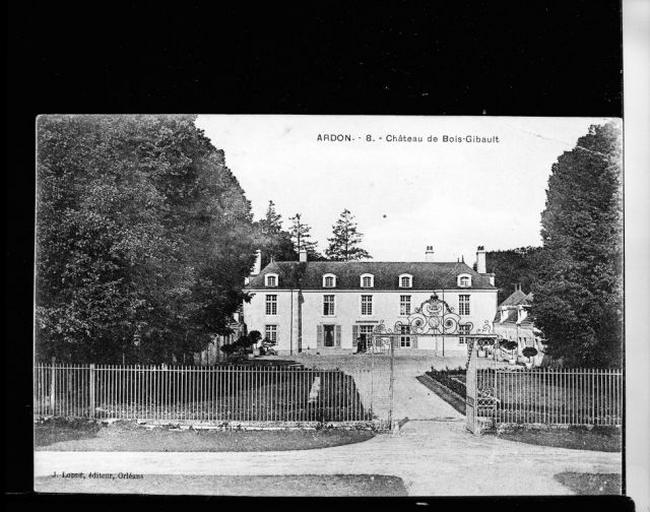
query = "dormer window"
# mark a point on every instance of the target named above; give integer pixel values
(367, 281)
(329, 281)
(464, 281)
(271, 280)
(406, 281)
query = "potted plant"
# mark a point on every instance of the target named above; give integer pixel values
(510, 346)
(529, 352)
(252, 340)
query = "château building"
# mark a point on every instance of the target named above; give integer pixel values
(328, 306)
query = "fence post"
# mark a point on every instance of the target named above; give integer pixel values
(52, 385)
(92, 390)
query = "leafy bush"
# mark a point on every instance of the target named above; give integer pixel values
(240, 347)
(529, 352)
(509, 344)
(445, 377)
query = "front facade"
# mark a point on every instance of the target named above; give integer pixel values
(325, 307)
(512, 322)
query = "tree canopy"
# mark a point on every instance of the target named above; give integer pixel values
(274, 242)
(143, 238)
(344, 244)
(578, 301)
(300, 233)
(512, 267)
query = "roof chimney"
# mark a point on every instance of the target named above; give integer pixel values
(428, 254)
(303, 255)
(257, 266)
(481, 266)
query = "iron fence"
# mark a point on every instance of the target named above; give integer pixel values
(206, 394)
(552, 396)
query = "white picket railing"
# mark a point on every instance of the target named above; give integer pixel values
(566, 396)
(208, 394)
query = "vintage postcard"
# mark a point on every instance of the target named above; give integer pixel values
(328, 305)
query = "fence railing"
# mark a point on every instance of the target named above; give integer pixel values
(209, 394)
(551, 396)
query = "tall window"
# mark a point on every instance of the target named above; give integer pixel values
(271, 304)
(404, 305)
(463, 330)
(366, 304)
(271, 332)
(328, 305)
(405, 338)
(328, 282)
(463, 305)
(365, 332)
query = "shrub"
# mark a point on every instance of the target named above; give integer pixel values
(509, 344)
(228, 349)
(254, 337)
(529, 352)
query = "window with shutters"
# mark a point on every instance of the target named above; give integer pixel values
(463, 305)
(271, 304)
(404, 305)
(328, 335)
(328, 305)
(366, 305)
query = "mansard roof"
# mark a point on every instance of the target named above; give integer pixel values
(426, 275)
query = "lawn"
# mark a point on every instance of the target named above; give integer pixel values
(219, 393)
(606, 439)
(129, 436)
(591, 483)
(255, 485)
(540, 397)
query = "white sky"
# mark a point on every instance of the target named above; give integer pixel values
(404, 196)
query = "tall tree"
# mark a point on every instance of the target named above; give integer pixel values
(514, 266)
(143, 238)
(274, 242)
(300, 233)
(344, 244)
(578, 297)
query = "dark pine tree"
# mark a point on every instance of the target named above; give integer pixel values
(274, 242)
(578, 300)
(344, 244)
(300, 233)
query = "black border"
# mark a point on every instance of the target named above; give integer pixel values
(534, 58)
